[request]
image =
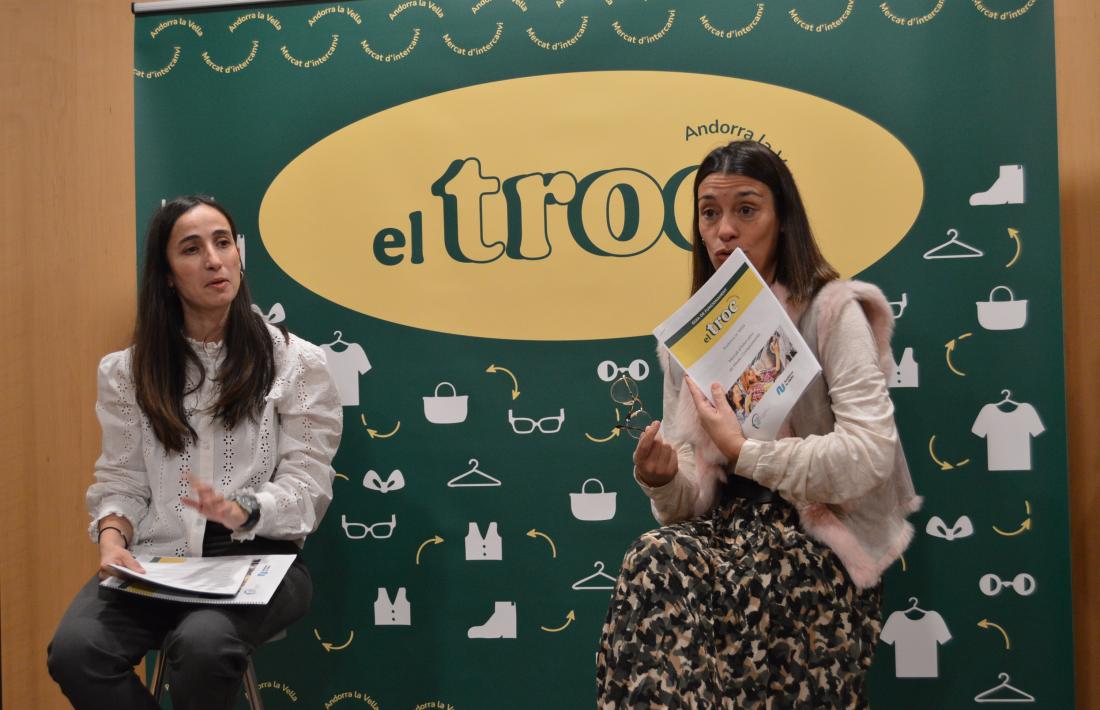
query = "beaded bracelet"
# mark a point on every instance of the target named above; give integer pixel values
(125, 542)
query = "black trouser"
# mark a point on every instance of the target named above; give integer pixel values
(104, 634)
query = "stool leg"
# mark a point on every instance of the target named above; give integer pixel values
(158, 676)
(252, 687)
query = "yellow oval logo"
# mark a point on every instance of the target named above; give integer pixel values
(559, 207)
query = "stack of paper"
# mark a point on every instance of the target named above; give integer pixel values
(240, 579)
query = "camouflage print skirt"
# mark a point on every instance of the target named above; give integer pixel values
(737, 609)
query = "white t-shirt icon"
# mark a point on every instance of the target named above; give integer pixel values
(1008, 435)
(916, 643)
(346, 366)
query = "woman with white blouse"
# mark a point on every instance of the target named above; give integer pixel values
(218, 437)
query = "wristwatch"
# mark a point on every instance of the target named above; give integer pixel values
(249, 505)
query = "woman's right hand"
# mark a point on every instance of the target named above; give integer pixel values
(654, 458)
(112, 551)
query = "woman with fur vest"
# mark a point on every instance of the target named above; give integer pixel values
(763, 588)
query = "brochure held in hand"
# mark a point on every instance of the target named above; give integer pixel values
(735, 332)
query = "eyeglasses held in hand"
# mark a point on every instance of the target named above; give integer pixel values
(625, 391)
(385, 529)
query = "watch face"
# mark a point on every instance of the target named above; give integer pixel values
(247, 501)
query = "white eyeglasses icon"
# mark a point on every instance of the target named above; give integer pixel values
(608, 370)
(991, 585)
(362, 530)
(547, 425)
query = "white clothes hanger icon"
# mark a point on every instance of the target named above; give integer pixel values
(913, 601)
(968, 252)
(339, 341)
(596, 580)
(1016, 695)
(1007, 398)
(473, 478)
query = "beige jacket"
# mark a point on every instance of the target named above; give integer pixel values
(838, 459)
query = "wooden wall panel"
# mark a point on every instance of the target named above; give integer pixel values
(66, 210)
(1077, 30)
(66, 265)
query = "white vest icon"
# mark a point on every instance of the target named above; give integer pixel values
(906, 372)
(489, 547)
(395, 613)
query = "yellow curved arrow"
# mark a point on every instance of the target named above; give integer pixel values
(553, 548)
(430, 541)
(515, 382)
(950, 347)
(329, 647)
(614, 431)
(987, 624)
(569, 619)
(374, 432)
(1015, 235)
(1024, 526)
(340, 475)
(904, 567)
(944, 465)
(609, 437)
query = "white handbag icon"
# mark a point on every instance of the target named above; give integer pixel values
(592, 506)
(1002, 315)
(447, 408)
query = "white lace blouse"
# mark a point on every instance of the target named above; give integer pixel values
(283, 455)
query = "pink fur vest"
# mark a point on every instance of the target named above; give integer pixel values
(867, 534)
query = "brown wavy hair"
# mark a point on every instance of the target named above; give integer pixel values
(800, 265)
(161, 352)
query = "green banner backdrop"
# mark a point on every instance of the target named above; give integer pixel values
(480, 209)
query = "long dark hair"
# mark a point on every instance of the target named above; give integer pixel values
(800, 266)
(161, 351)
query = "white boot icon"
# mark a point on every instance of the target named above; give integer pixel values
(1007, 190)
(501, 625)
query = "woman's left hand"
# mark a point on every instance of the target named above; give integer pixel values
(213, 506)
(718, 420)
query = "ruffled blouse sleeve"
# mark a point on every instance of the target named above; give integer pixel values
(310, 416)
(121, 484)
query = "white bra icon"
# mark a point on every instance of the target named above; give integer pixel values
(277, 314)
(395, 613)
(937, 528)
(489, 547)
(395, 482)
